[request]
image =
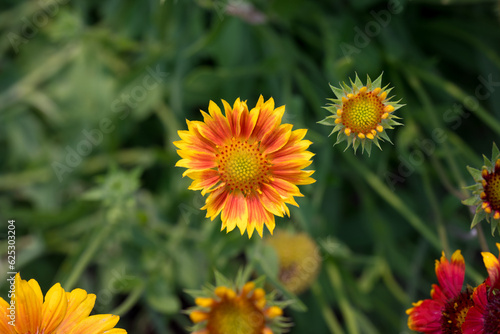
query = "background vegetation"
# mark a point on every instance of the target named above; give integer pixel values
(119, 221)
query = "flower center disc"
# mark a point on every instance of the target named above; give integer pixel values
(242, 167)
(454, 313)
(235, 316)
(362, 113)
(492, 314)
(492, 190)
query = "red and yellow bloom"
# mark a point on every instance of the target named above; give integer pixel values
(59, 313)
(484, 316)
(445, 312)
(247, 161)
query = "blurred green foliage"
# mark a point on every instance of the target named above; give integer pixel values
(92, 94)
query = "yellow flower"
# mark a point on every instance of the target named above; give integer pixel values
(486, 191)
(60, 313)
(247, 161)
(299, 260)
(362, 113)
(243, 310)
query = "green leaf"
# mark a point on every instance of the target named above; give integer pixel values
(355, 144)
(495, 153)
(378, 81)
(376, 142)
(474, 187)
(332, 109)
(494, 225)
(476, 174)
(340, 137)
(330, 121)
(478, 217)
(383, 135)
(473, 200)
(338, 92)
(368, 147)
(487, 162)
(221, 280)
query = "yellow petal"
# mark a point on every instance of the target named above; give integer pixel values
(80, 305)
(115, 331)
(204, 302)
(54, 308)
(273, 312)
(28, 305)
(490, 260)
(389, 108)
(492, 264)
(198, 316)
(249, 286)
(5, 327)
(96, 324)
(220, 291)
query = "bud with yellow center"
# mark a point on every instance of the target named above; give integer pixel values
(242, 308)
(362, 113)
(486, 191)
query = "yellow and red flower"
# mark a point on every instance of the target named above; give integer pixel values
(242, 310)
(486, 191)
(484, 316)
(362, 113)
(247, 161)
(446, 311)
(60, 313)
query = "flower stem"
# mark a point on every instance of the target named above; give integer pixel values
(441, 229)
(394, 201)
(459, 94)
(87, 256)
(482, 238)
(131, 300)
(345, 306)
(331, 319)
(436, 123)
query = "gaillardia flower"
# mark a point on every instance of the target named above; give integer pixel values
(484, 316)
(445, 312)
(236, 310)
(299, 260)
(486, 191)
(362, 113)
(60, 313)
(248, 162)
